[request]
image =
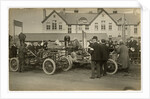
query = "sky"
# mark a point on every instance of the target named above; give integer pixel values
(32, 17)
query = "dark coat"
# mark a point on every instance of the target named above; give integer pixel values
(123, 56)
(133, 44)
(22, 36)
(22, 52)
(14, 51)
(96, 54)
(105, 52)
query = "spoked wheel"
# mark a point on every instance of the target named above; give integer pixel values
(66, 63)
(14, 64)
(112, 67)
(49, 66)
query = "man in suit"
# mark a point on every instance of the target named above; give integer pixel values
(22, 38)
(67, 40)
(105, 56)
(96, 54)
(111, 46)
(133, 49)
(22, 52)
(14, 50)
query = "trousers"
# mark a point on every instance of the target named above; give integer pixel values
(96, 65)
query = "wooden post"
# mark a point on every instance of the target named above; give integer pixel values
(123, 29)
(14, 31)
(22, 28)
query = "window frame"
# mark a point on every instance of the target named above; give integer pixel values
(110, 26)
(60, 25)
(69, 29)
(96, 27)
(103, 25)
(135, 29)
(86, 27)
(54, 24)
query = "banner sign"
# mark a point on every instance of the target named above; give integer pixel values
(18, 23)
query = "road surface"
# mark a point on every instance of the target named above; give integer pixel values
(77, 79)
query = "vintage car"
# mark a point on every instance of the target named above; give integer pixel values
(49, 60)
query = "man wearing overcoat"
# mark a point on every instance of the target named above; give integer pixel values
(96, 53)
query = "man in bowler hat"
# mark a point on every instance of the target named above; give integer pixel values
(96, 53)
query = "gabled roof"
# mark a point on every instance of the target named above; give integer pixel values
(51, 14)
(130, 19)
(106, 13)
(73, 18)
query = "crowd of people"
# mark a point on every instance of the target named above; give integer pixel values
(99, 50)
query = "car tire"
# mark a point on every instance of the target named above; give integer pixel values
(112, 67)
(14, 64)
(49, 66)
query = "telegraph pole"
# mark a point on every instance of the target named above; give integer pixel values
(123, 29)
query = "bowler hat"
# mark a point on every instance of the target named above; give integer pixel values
(103, 40)
(131, 37)
(95, 37)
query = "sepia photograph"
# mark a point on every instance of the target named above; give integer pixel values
(74, 49)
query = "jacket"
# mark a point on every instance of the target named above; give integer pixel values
(96, 53)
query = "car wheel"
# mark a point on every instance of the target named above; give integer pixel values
(112, 67)
(49, 66)
(14, 64)
(66, 63)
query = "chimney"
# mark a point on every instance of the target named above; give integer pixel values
(99, 10)
(63, 11)
(44, 13)
(76, 11)
(115, 12)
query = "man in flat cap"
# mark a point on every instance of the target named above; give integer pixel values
(96, 55)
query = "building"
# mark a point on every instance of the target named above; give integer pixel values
(113, 24)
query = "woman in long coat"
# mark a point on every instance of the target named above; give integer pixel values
(123, 58)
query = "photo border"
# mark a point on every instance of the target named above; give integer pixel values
(145, 79)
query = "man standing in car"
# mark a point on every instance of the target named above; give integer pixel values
(22, 38)
(96, 53)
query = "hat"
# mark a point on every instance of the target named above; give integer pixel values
(131, 37)
(103, 40)
(95, 37)
(121, 42)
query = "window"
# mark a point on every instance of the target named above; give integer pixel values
(86, 27)
(103, 27)
(135, 29)
(126, 27)
(80, 27)
(54, 16)
(96, 26)
(48, 26)
(110, 26)
(60, 26)
(119, 28)
(54, 25)
(69, 29)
